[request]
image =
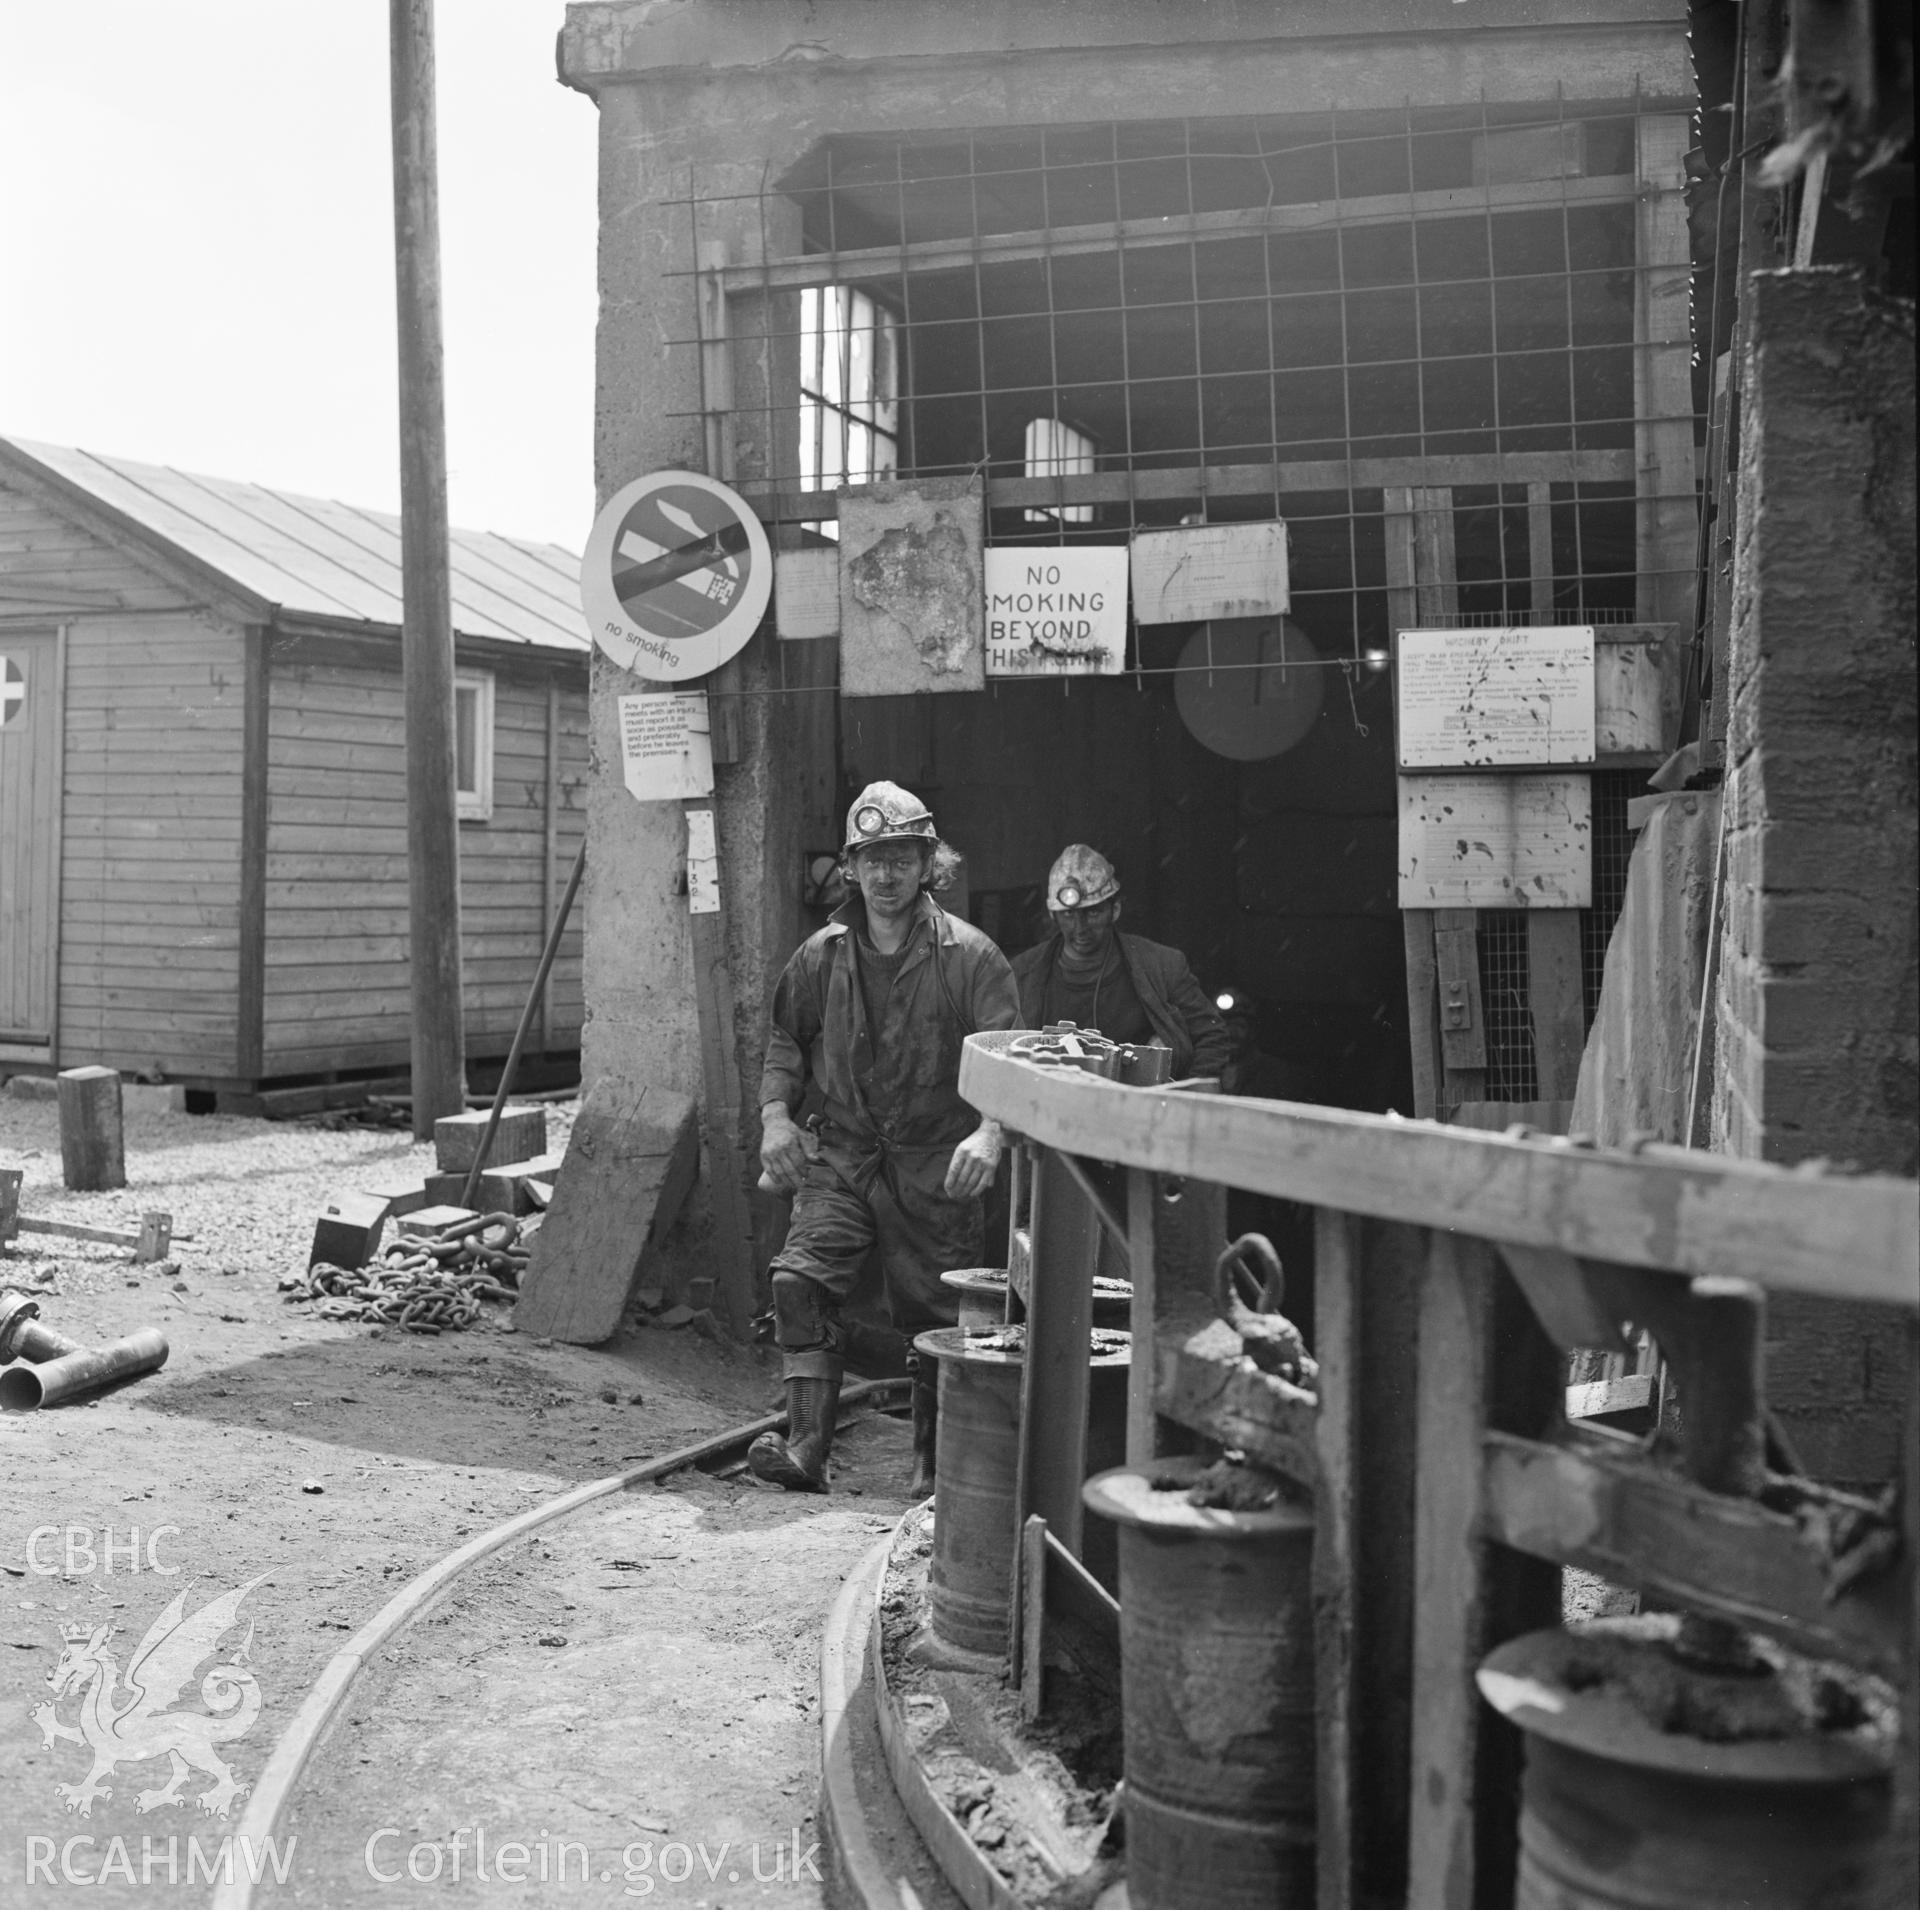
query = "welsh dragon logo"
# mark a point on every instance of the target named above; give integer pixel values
(133, 1725)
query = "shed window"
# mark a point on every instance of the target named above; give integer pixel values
(849, 389)
(473, 744)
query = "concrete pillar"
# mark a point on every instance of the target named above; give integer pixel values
(1818, 1015)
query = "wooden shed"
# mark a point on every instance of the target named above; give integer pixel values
(203, 841)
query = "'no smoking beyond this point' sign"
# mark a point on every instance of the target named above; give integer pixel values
(676, 576)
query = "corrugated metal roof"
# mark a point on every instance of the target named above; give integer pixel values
(309, 556)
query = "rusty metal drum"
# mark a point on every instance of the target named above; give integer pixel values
(1657, 1786)
(983, 1298)
(975, 1536)
(1216, 1668)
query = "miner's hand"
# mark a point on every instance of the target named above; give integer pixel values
(783, 1152)
(970, 1172)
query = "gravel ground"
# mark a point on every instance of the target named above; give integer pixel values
(312, 1467)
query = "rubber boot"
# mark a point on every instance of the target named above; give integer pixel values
(926, 1400)
(799, 1461)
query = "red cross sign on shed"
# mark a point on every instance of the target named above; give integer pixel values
(676, 576)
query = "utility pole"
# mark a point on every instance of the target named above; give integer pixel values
(433, 836)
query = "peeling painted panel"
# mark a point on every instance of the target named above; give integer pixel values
(911, 610)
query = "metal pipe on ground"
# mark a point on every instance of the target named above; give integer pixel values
(25, 1387)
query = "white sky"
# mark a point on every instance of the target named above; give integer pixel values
(196, 244)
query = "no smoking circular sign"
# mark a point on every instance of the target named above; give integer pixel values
(13, 690)
(676, 575)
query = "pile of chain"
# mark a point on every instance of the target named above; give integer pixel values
(423, 1285)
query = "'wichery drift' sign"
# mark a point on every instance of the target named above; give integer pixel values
(1056, 611)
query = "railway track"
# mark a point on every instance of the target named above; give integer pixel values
(615, 1692)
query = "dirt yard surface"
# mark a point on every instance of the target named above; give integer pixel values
(630, 1694)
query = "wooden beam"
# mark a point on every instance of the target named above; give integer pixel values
(720, 1110)
(1423, 1012)
(1540, 549)
(1463, 1018)
(1204, 1382)
(1336, 1297)
(1556, 1000)
(250, 995)
(869, 264)
(1450, 1588)
(1678, 1209)
(1255, 480)
(1598, 1504)
(1667, 522)
(550, 852)
(1435, 570)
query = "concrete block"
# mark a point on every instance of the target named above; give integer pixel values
(444, 1190)
(456, 1137)
(432, 1222)
(504, 1190)
(402, 1195)
(347, 1234)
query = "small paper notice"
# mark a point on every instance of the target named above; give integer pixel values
(703, 864)
(1486, 698)
(806, 592)
(1496, 842)
(665, 748)
(1201, 571)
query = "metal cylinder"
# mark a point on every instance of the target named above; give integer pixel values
(975, 1513)
(1621, 1810)
(24, 1388)
(23, 1335)
(1217, 1694)
(983, 1298)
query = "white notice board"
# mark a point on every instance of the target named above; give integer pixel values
(1056, 611)
(1202, 571)
(666, 748)
(1496, 842)
(1495, 698)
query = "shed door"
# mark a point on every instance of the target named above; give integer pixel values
(29, 840)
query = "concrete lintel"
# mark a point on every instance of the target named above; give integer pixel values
(1617, 48)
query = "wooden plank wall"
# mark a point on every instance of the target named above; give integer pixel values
(51, 563)
(150, 867)
(336, 989)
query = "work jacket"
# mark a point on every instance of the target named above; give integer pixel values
(895, 1086)
(1176, 1004)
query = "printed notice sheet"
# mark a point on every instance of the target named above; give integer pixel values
(1492, 698)
(665, 747)
(1496, 842)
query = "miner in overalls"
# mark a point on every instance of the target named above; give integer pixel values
(871, 1010)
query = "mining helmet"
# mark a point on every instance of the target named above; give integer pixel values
(884, 812)
(1081, 878)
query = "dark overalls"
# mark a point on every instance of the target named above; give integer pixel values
(892, 1119)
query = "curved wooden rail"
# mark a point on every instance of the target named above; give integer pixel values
(1853, 1237)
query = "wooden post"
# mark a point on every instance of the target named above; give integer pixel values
(1667, 525)
(433, 839)
(93, 1153)
(1484, 1362)
(1336, 1279)
(1556, 1000)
